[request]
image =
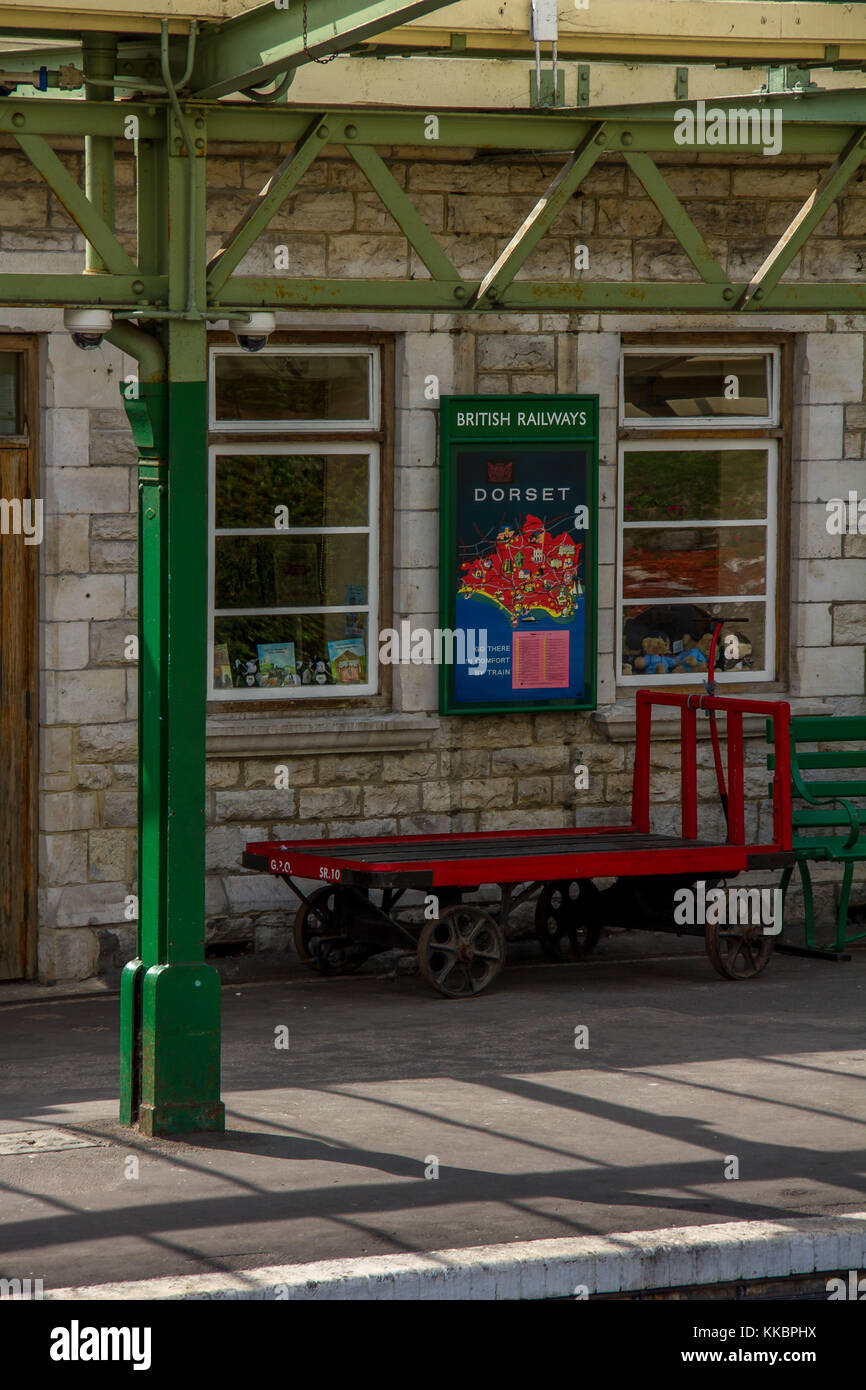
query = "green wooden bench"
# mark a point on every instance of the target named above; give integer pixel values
(828, 815)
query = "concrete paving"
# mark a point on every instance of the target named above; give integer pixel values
(333, 1144)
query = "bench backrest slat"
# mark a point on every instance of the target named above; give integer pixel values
(810, 763)
(848, 757)
(852, 790)
(832, 728)
(824, 761)
(820, 815)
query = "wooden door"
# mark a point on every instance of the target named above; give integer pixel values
(21, 532)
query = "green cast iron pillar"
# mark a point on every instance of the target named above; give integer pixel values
(170, 1000)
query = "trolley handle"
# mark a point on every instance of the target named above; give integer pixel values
(734, 709)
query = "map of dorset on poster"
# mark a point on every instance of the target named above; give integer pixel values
(519, 573)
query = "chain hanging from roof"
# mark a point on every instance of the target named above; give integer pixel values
(306, 49)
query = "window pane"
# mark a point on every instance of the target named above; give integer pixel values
(10, 422)
(290, 571)
(307, 650)
(679, 385)
(662, 636)
(317, 489)
(292, 386)
(694, 560)
(691, 484)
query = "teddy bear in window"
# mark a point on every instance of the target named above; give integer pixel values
(655, 658)
(696, 654)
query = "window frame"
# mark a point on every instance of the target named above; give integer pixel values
(20, 393)
(770, 596)
(316, 700)
(715, 422)
(789, 345)
(297, 427)
(371, 607)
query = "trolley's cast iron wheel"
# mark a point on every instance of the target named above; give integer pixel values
(738, 952)
(565, 919)
(310, 924)
(461, 951)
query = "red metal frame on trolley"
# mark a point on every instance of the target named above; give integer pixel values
(518, 856)
(734, 709)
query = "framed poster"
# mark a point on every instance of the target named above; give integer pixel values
(518, 528)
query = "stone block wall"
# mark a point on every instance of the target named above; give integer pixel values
(407, 771)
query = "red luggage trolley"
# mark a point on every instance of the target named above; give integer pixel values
(462, 948)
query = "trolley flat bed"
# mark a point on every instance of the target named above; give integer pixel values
(436, 861)
(461, 945)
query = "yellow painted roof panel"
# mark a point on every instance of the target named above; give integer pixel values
(718, 27)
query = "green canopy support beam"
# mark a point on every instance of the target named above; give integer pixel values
(252, 293)
(402, 209)
(815, 123)
(258, 46)
(830, 185)
(48, 116)
(127, 292)
(257, 216)
(545, 212)
(676, 217)
(107, 252)
(100, 62)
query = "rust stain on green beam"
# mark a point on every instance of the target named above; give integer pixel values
(266, 292)
(255, 292)
(815, 297)
(620, 296)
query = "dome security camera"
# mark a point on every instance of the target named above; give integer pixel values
(87, 326)
(253, 330)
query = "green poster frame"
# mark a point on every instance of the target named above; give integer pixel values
(453, 435)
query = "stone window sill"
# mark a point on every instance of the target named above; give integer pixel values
(231, 736)
(618, 723)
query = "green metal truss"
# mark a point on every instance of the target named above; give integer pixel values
(832, 125)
